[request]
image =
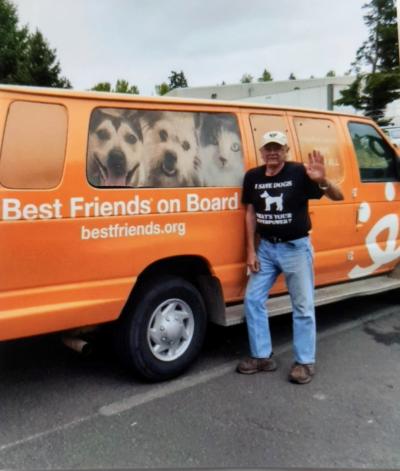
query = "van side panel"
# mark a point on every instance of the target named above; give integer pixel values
(67, 265)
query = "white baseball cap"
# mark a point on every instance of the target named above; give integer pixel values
(273, 136)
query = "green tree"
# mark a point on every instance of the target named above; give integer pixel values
(380, 51)
(42, 67)
(265, 77)
(102, 87)
(246, 78)
(12, 44)
(370, 93)
(373, 89)
(25, 58)
(331, 73)
(292, 76)
(177, 80)
(121, 86)
(162, 89)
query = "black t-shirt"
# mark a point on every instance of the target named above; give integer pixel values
(281, 201)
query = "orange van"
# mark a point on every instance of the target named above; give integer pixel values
(126, 210)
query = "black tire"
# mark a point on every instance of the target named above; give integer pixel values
(146, 317)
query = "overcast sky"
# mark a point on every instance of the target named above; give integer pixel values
(210, 40)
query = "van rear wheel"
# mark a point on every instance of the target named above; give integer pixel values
(162, 332)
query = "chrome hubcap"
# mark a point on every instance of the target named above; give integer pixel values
(170, 329)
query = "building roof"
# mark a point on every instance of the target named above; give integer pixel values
(125, 97)
(244, 90)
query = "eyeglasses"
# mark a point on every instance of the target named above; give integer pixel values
(274, 148)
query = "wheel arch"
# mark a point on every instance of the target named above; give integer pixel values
(194, 269)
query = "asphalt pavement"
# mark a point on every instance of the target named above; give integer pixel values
(59, 410)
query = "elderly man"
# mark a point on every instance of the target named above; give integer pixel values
(276, 197)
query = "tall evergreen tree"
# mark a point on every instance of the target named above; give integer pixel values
(26, 59)
(43, 69)
(13, 44)
(379, 85)
(380, 51)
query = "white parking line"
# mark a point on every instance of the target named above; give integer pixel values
(47, 432)
(167, 389)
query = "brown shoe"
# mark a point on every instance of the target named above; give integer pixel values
(249, 366)
(302, 374)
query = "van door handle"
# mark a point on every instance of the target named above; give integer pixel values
(363, 213)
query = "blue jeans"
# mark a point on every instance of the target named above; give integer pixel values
(295, 260)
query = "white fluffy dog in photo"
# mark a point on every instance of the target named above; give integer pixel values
(171, 150)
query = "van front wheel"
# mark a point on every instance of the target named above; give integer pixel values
(162, 333)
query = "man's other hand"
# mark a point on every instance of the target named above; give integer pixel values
(253, 263)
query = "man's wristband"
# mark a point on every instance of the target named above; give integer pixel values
(323, 187)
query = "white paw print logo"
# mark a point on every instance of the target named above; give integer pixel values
(389, 223)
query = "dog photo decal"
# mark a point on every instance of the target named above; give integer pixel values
(163, 149)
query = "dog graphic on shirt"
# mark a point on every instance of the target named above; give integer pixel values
(270, 200)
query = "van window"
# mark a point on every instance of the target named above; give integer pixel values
(262, 123)
(376, 159)
(320, 134)
(33, 150)
(163, 149)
